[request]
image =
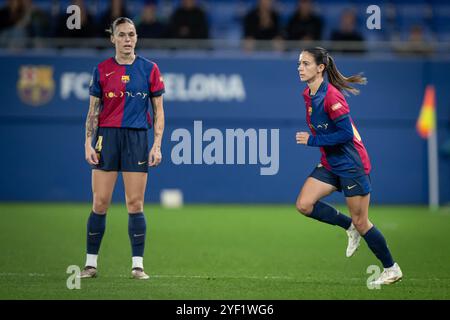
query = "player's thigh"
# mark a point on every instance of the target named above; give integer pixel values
(358, 206)
(357, 194)
(103, 183)
(320, 183)
(135, 184)
(134, 151)
(314, 189)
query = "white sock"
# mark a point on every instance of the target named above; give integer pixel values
(91, 260)
(138, 262)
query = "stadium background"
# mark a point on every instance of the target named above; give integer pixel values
(45, 100)
(52, 109)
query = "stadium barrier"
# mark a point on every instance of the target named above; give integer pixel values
(249, 107)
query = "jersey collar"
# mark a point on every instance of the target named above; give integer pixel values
(135, 58)
(322, 88)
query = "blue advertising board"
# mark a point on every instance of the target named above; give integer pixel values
(230, 128)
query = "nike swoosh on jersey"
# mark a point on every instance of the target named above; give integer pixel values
(138, 235)
(94, 233)
(108, 74)
(351, 187)
(141, 163)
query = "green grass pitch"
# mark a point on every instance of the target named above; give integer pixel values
(219, 252)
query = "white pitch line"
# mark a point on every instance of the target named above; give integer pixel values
(210, 277)
(15, 274)
(206, 277)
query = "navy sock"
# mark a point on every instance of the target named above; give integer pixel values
(326, 213)
(136, 230)
(378, 245)
(95, 230)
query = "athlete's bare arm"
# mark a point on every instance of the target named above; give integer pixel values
(91, 129)
(155, 157)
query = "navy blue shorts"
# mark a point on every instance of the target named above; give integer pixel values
(357, 186)
(122, 149)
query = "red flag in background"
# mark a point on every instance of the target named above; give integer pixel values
(426, 123)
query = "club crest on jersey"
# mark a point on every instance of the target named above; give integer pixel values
(125, 78)
(310, 110)
(36, 85)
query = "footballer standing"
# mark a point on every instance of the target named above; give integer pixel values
(121, 91)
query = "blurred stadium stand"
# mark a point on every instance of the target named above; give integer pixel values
(225, 18)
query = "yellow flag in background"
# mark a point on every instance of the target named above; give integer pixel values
(426, 123)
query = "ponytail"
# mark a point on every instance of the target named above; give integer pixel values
(337, 79)
(341, 82)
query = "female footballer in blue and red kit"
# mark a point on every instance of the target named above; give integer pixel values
(344, 164)
(121, 90)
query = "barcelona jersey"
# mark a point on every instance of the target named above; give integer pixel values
(125, 92)
(327, 115)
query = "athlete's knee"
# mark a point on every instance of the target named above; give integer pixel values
(361, 224)
(135, 204)
(304, 206)
(101, 204)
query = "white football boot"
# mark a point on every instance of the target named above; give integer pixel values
(138, 273)
(354, 238)
(88, 272)
(389, 275)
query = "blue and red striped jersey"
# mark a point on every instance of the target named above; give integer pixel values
(125, 92)
(333, 130)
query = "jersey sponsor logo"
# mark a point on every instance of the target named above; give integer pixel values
(36, 86)
(121, 94)
(336, 106)
(322, 126)
(204, 87)
(125, 78)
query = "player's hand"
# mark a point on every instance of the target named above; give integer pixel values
(90, 155)
(302, 137)
(155, 156)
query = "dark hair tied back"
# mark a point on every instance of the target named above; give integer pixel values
(117, 22)
(337, 79)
